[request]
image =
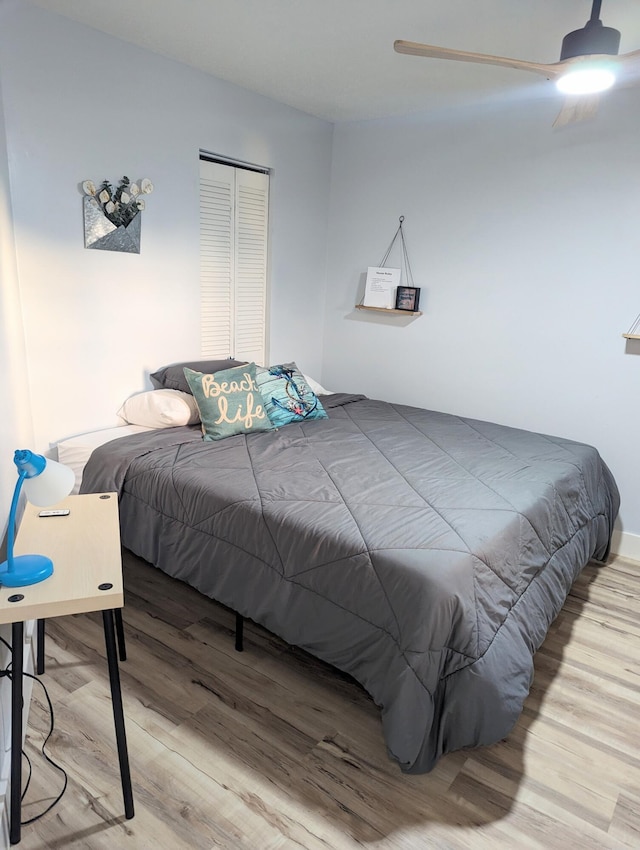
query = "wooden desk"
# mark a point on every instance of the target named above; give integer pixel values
(85, 549)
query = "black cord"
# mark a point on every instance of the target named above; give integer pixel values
(8, 673)
(27, 783)
(47, 757)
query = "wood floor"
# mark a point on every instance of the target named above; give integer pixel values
(272, 749)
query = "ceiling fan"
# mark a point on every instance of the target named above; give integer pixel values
(589, 64)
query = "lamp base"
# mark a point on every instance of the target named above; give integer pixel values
(27, 569)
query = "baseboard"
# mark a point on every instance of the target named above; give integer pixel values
(626, 545)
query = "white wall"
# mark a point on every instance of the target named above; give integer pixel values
(15, 423)
(81, 105)
(524, 241)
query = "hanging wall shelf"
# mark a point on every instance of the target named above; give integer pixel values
(390, 310)
(634, 330)
(383, 285)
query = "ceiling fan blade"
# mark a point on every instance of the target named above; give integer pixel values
(630, 58)
(430, 51)
(577, 108)
(629, 65)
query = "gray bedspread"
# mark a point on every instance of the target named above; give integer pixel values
(423, 553)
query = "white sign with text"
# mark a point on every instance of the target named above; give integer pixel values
(380, 288)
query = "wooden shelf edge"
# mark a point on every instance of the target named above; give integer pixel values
(631, 336)
(390, 310)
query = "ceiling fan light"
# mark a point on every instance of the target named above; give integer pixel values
(586, 80)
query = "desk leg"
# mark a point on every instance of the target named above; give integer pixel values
(17, 660)
(122, 647)
(40, 647)
(239, 632)
(118, 713)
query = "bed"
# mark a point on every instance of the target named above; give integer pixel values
(422, 553)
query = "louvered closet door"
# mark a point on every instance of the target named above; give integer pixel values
(233, 261)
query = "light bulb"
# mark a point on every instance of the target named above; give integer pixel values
(586, 81)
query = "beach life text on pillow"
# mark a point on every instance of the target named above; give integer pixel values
(229, 401)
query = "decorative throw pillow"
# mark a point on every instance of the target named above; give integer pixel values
(229, 401)
(287, 396)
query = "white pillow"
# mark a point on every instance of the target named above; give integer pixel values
(160, 409)
(315, 387)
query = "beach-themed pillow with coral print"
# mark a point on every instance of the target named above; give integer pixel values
(287, 395)
(229, 401)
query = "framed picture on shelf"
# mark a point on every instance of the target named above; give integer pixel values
(408, 298)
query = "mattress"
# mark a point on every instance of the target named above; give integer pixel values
(75, 451)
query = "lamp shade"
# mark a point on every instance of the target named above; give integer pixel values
(49, 486)
(45, 482)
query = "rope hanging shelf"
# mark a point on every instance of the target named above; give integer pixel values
(634, 330)
(408, 277)
(392, 310)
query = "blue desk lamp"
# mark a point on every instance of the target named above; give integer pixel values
(45, 483)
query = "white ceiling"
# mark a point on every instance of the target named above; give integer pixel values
(335, 58)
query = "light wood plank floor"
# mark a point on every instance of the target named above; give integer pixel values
(272, 749)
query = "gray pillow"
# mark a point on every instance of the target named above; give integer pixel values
(172, 377)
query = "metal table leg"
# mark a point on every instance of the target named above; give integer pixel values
(17, 660)
(40, 647)
(239, 632)
(122, 648)
(118, 713)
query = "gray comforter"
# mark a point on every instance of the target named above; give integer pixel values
(423, 553)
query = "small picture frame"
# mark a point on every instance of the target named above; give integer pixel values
(408, 298)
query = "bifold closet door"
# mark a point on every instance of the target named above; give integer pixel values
(234, 207)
